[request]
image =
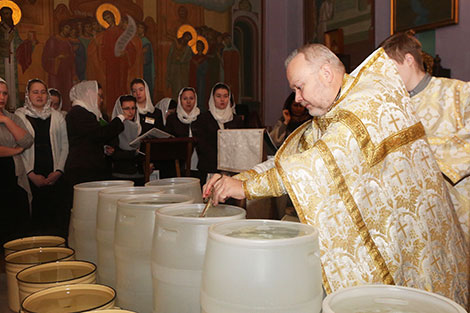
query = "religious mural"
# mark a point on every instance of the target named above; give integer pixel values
(175, 44)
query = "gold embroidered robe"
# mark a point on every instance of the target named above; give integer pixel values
(444, 110)
(365, 176)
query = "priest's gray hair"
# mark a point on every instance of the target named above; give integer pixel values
(317, 55)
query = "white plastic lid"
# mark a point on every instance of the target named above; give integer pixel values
(388, 299)
(262, 232)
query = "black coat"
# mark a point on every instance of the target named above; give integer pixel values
(86, 141)
(177, 128)
(151, 120)
(205, 130)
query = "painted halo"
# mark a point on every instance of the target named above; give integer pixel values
(204, 41)
(187, 28)
(107, 7)
(14, 7)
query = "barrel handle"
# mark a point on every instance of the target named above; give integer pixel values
(127, 219)
(167, 233)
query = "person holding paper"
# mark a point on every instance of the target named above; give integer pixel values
(127, 162)
(219, 116)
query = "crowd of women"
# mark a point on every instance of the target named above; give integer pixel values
(45, 151)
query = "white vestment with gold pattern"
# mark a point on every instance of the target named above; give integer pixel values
(365, 176)
(443, 107)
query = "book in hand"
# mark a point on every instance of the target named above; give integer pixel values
(153, 133)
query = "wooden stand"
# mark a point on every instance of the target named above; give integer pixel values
(164, 149)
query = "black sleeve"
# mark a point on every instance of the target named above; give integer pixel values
(158, 119)
(170, 125)
(82, 123)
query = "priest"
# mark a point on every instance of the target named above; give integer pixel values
(364, 175)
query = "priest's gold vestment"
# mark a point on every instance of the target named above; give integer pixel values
(443, 107)
(365, 176)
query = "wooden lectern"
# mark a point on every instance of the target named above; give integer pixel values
(164, 149)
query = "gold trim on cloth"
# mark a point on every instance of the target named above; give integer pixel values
(354, 212)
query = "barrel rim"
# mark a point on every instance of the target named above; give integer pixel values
(14, 254)
(11, 242)
(49, 264)
(110, 192)
(214, 235)
(189, 181)
(72, 286)
(388, 288)
(127, 201)
(163, 213)
(106, 184)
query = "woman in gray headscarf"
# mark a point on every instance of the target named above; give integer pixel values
(44, 161)
(14, 186)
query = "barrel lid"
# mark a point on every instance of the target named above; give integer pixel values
(69, 298)
(173, 181)
(264, 232)
(387, 298)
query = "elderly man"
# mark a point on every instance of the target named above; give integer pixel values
(364, 175)
(443, 106)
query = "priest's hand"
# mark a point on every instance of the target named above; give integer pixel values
(223, 187)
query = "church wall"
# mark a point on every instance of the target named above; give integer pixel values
(283, 33)
(451, 42)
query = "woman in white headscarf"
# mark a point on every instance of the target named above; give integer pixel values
(87, 137)
(150, 117)
(181, 123)
(127, 162)
(167, 106)
(45, 160)
(219, 116)
(56, 100)
(14, 186)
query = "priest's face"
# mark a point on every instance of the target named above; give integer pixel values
(311, 89)
(188, 101)
(138, 91)
(38, 95)
(221, 98)
(3, 95)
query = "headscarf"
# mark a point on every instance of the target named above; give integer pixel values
(50, 95)
(28, 108)
(3, 81)
(132, 128)
(221, 116)
(183, 116)
(163, 105)
(85, 94)
(149, 108)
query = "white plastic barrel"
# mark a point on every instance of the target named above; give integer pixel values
(135, 221)
(261, 266)
(82, 229)
(53, 274)
(179, 245)
(105, 222)
(33, 242)
(16, 261)
(387, 298)
(70, 298)
(179, 185)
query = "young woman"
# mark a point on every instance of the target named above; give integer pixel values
(87, 136)
(293, 115)
(127, 163)
(14, 186)
(219, 116)
(150, 117)
(181, 123)
(56, 100)
(45, 160)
